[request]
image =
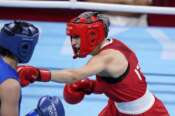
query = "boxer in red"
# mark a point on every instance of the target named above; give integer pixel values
(116, 67)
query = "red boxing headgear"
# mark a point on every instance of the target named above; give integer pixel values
(92, 28)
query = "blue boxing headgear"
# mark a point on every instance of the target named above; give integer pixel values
(50, 106)
(20, 39)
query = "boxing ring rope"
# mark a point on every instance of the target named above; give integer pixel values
(73, 4)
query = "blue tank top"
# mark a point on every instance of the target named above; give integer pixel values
(7, 72)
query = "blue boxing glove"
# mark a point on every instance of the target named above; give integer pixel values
(48, 106)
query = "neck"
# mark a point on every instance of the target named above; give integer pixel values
(103, 44)
(11, 61)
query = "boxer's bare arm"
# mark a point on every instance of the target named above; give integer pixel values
(110, 61)
(94, 66)
(10, 95)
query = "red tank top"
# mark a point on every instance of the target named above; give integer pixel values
(133, 84)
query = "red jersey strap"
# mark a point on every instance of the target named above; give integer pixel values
(116, 45)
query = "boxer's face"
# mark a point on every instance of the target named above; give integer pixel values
(75, 41)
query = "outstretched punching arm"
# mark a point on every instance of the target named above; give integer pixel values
(29, 74)
(94, 66)
(103, 62)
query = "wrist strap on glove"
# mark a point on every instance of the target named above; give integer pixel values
(45, 75)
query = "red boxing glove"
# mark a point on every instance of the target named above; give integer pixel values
(74, 93)
(29, 74)
(72, 96)
(86, 86)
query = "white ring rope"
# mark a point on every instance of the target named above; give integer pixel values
(73, 4)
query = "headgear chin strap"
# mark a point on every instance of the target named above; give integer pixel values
(20, 39)
(92, 28)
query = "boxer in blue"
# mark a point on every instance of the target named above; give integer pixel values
(17, 43)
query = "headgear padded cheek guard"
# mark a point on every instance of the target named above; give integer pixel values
(92, 28)
(20, 39)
